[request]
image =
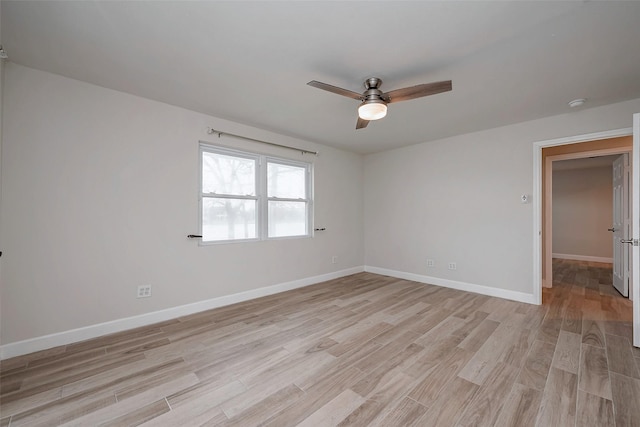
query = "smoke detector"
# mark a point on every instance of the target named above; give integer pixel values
(577, 102)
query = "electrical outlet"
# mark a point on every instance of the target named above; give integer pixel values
(453, 266)
(144, 291)
(334, 259)
(431, 263)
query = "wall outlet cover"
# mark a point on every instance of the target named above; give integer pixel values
(144, 291)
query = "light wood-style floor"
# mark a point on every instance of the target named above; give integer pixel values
(365, 350)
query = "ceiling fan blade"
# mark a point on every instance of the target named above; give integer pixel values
(362, 123)
(417, 91)
(336, 89)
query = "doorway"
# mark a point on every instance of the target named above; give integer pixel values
(541, 242)
(570, 151)
(586, 226)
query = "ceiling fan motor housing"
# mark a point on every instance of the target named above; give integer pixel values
(372, 94)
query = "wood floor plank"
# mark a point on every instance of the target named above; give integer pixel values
(536, 367)
(139, 415)
(347, 360)
(73, 368)
(447, 409)
(439, 331)
(206, 416)
(567, 354)
(120, 377)
(593, 332)
(430, 320)
(266, 407)
(334, 411)
(238, 359)
(351, 341)
(550, 329)
(385, 368)
(428, 389)
(485, 407)
(477, 337)
(298, 366)
(516, 352)
(351, 351)
(252, 396)
(625, 390)
(572, 321)
(615, 326)
(594, 372)
(29, 402)
(620, 356)
(434, 353)
(500, 309)
(38, 387)
(64, 409)
(594, 410)
(477, 370)
(363, 415)
(406, 412)
(128, 407)
(386, 352)
(317, 396)
(197, 400)
(521, 407)
(558, 407)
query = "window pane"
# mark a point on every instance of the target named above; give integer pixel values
(286, 181)
(222, 174)
(287, 218)
(228, 219)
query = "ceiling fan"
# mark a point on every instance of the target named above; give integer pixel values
(374, 101)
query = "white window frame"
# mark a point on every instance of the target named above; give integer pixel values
(261, 197)
(307, 200)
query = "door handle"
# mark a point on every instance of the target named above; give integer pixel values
(611, 229)
(633, 242)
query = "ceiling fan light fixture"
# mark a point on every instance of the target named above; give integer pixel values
(372, 110)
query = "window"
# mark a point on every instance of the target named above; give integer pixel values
(245, 196)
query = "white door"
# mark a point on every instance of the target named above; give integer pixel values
(635, 227)
(621, 224)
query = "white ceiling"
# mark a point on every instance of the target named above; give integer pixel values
(250, 61)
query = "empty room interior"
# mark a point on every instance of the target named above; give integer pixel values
(319, 213)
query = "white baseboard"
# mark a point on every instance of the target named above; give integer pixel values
(94, 331)
(584, 258)
(462, 286)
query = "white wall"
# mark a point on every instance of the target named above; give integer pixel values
(100, 190)
(582, 212)
(458, 199)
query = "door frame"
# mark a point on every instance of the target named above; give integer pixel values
(547, 253)
(537, 198)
